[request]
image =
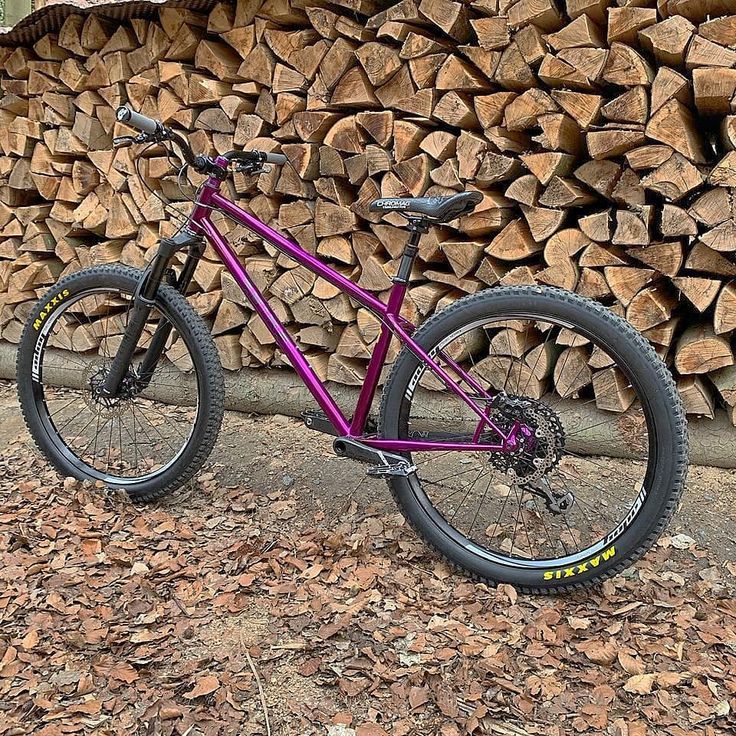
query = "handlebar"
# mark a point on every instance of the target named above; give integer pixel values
(138, 121)
(260, 156)
(276, 158)
(158, 131)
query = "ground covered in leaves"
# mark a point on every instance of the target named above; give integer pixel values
(231, 602)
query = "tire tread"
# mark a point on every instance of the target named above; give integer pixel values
(201, 341)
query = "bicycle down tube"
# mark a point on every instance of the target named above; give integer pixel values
(392, 325)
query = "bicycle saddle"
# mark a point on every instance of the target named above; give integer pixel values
(437, 209)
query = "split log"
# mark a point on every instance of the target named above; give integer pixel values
(666, 257)
(724, 316)
(697, 396)
(700, 292)
(613, 391)
(650, 307)
(700, 350)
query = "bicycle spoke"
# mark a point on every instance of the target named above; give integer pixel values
(106, 436)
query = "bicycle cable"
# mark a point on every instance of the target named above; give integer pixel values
(168, 206)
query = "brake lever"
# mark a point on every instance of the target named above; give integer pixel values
(123, 141)
(250, 169)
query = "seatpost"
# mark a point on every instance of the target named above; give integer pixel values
(417, 227)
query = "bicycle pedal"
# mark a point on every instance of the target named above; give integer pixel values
(401, 470)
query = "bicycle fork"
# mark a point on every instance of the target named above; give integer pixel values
(143, 302)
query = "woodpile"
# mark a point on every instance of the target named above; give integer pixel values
(603, 138)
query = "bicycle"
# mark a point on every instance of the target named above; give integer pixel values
(529, 435)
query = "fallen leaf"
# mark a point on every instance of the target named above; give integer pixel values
(599, 652)
(640, 684)
(116, 670)
(631, 665)
(682, 541)
(722, 709)
(30, 640)
(203, 686)
(370, 729)
(509, 591)
(418, 696)
(579, 624)
(670, 679)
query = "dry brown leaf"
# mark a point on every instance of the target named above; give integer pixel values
(509, 591)
(640, 684)
(116, 670)
(370, 729)
(203, 686)
(670, 679)
(631, 665)
(30, 640)
(447, 701)
(578, 623)
(599, 652)
(418, 696)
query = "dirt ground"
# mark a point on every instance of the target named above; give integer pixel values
(283, 581)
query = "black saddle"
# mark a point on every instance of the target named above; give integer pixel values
(436, 209)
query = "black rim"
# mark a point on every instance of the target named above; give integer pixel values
(459, 539)
(106, 430)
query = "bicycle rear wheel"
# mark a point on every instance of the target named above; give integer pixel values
(156, 434)
(603, 464)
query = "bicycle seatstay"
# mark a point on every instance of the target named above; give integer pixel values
(392, 325)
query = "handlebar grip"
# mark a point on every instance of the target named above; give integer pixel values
(136, 120)
(276, 158)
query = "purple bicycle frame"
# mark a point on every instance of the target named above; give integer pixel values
(392, 324)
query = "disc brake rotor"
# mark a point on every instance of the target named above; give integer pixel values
(93, 377)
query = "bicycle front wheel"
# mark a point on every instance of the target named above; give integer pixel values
(159, 431)
(601, 465)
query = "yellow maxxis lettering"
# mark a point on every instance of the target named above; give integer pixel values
(49, 307)
(580, 567)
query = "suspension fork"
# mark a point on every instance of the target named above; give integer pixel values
(143, 302)
(163, 330)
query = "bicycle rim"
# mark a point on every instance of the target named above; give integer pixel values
(128, 441)
(498, 505)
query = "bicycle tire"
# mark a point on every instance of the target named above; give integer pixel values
(654, 379)
(206, 363)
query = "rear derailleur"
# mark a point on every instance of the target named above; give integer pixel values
(555, 503)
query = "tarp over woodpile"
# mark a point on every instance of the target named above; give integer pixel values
(50, 18)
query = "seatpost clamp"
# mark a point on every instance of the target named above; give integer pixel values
(418, 224)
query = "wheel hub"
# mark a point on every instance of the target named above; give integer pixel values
(541, 441)
(94, 377)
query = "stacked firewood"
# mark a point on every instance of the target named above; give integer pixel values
(601, 137)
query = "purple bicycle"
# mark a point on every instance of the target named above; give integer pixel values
(528, 434)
